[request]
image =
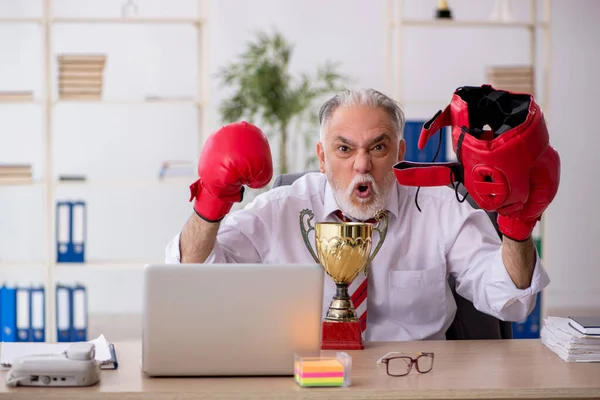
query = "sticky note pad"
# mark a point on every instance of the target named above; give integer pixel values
(323, 371)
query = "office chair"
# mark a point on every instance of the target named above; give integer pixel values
(469, 323)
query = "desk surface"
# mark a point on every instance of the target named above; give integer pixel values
(463, 369)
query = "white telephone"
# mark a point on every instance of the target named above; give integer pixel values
(74, 367)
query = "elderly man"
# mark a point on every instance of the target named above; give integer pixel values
(360, 141)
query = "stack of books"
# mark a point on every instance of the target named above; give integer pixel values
(9, 96)
(80, 76)
(560, 335)
(518, 79)
(15, 173)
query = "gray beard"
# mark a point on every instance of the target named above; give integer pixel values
(356, 210)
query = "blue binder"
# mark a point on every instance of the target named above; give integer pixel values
(70, 231)
(38, 316)
(530, 327)
(64, 313)
(78, 229)
(412, 131)
(9, 314)
(23, 314)
(63, 231)
(80, 316)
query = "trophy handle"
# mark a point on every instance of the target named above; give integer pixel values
(305, 232)
(382, 224)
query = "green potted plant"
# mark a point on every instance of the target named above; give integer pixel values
(264, 92)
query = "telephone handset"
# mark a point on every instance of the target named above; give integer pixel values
(76, 366)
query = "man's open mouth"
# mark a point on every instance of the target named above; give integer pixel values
(363, 190)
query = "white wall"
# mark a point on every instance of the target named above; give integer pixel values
(129, 142)
(573, 228)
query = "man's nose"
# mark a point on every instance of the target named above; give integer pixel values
(362, 163)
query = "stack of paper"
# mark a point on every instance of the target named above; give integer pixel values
(568, 343)
(104, 351)
(80, 76)
(518, 79)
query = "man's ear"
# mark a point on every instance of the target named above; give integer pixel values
(321, 155)
(401, 150)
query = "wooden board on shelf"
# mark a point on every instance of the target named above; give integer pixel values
(16, 95)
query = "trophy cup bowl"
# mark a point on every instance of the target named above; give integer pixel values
(343, 250)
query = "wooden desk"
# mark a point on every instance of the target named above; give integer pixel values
(462, 369)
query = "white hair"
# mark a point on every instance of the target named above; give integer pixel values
(361, 97)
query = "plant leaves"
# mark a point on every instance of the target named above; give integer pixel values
(264, 90)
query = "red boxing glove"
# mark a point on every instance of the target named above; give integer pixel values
(237, 154)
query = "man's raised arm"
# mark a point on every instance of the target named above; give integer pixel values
(238, 154)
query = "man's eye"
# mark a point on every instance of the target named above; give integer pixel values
(343, 149)
(379, 147)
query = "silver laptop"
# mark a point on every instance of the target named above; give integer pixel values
(229, 319)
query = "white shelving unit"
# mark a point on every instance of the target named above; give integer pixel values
(396, 24)
(538, 31)
(48, 103)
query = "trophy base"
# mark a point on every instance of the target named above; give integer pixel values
(443, 14)
(341, 336)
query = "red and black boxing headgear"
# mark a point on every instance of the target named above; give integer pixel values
(497, 136)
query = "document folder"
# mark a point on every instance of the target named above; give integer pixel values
(78, 218)
(63, 231)
(23, 315)
(70, 231)
(9, 314)
(80, 319)
(38, 319)
(64, 311)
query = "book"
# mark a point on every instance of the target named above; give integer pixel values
(589, 325)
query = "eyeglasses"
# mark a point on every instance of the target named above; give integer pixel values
(400, 364)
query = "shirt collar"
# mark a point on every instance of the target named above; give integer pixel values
(330, 205)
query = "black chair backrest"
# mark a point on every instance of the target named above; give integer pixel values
(469, 323)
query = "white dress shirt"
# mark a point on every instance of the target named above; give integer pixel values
(408, 294)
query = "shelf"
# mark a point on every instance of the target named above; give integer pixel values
(119, 20)
(114, 264)
(22, 182)
(49, 99)
(21, 102)
(184, 181)
(128, 264)
(19, 20)
(110, 264)
(22, 264)
(435, 103)
(128, 102)
(470, 24)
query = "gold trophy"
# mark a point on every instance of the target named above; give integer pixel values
(344, 251)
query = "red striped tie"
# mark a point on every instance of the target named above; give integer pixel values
(358, 287)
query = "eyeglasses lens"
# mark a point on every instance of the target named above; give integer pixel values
(398, 365)
(425, 363)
